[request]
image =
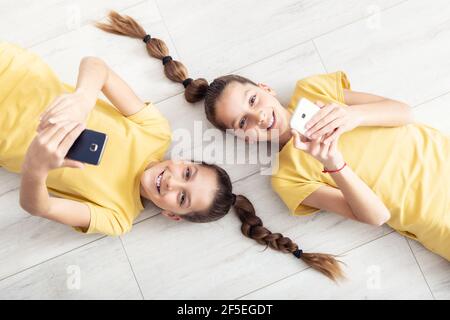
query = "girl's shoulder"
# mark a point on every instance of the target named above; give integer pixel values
(327, 87)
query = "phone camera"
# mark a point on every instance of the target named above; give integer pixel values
(93, 147)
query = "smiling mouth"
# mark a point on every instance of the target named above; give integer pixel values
(158, 182)
(271, 121)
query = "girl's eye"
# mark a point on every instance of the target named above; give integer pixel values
(187, 173)
(252, 99)
(182, 199)
(242, 122)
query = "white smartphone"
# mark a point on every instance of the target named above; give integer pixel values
(302, 114)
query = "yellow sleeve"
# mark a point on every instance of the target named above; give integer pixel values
(105, 221)
(157, 127)
(293, 194)
(327, 88)
(149, 116)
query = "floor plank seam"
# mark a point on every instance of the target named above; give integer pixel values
(320, 56)
(168, 31)
(431, 99)
(251, 64)
(132, 270)
(8, 191)
(420, 268)
(314, 38)
(50, 259)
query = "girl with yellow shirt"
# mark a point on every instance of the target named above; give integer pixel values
(41, 118)
(363, 156)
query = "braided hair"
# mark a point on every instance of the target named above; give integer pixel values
(195, 89)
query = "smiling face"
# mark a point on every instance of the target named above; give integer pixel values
(179, 187)
(253, 110)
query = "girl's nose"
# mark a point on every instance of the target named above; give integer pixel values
(261, 117)
(172, 183)
(168, 183)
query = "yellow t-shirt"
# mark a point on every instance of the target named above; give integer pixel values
(111, 189)
(408, 167)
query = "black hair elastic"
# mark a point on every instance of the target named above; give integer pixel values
(297, 253)
(187, 82)
(166, 59)
(233, 202)
(147, 38)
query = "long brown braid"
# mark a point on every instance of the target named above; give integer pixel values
(195, 90)
(252, 227)
(174, 70)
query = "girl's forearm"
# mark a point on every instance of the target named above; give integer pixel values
(95, 76)
(34, 196)
(365, 204)
(92, 76)
(389, 113)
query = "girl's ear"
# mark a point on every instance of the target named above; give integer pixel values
(171, 215)
(265, 87)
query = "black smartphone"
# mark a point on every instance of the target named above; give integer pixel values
(88, 147)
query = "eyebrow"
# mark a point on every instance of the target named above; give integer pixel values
(194, 174)
(235, 123)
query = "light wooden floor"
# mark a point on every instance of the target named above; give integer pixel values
(395, 48)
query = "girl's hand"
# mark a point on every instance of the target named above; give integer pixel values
(332, 119)
(327, 153)
(50, 146)
(70, 107)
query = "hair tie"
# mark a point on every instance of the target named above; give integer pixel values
(233, 202)
(187, 82)
(297, 253)
(147, 38)
(166, 59)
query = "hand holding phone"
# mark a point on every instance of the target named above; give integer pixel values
(48, 149)
(302, 114)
